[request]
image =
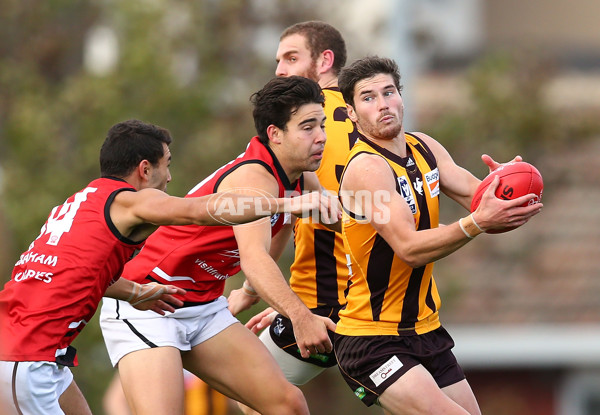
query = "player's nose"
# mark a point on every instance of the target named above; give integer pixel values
(321, 137)
(280, 70)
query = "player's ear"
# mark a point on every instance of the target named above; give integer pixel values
(143, 169)
(326, 60)
(274, 134)
(351, 113)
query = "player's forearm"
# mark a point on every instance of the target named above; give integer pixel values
(234, 209)
(120, 290)
(426, 246)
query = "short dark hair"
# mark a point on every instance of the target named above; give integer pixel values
(321, 36)
(128, 143)
(363, 69)
(279, 99)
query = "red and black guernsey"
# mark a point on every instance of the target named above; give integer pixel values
(200, 258)
(59, 281)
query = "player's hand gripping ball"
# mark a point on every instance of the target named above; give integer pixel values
(516, 179)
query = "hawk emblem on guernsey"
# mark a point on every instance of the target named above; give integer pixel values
(279, 327)
(418, 184)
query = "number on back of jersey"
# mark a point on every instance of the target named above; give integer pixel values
(61, 217)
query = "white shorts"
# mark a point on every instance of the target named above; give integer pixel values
(296, 371)
(126, 329)
(32, 388)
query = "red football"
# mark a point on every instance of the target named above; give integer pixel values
(516, 179)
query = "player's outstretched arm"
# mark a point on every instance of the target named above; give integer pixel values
(332, 218)
(152, 296)
(137, 214)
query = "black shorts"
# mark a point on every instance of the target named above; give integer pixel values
(371, 364)
(282, 333)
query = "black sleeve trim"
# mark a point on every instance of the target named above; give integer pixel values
(109, 221)
(232, 169)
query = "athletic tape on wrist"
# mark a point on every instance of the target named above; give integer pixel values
(248, 290)
(462, 228)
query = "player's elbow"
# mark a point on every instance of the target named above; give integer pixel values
(412, 257)
(415, 261)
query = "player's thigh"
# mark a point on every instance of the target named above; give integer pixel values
(35, 388)
(461, 393)
(237, 364)
(152, 380)
(296, 371)
(417, 393)
(72, 401)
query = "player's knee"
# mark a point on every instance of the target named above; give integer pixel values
(295, 401)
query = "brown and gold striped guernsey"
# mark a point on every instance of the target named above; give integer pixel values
(386, 296)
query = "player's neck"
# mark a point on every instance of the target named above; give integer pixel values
(396, 145)
(328, 81)
(292, 171)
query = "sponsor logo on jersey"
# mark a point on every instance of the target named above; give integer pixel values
(407, 193)
(360, 392)
(209, 269)
(433, 182)
(385, 371)
(38, 275)
(50, 260)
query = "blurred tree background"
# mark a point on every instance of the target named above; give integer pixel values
(190, 66)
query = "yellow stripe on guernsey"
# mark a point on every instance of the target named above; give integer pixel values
(386, 296)
(319, 273)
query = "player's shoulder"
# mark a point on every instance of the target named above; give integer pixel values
(127, 202)
(370, 172)
(435, 146)
(364, 165)
(249, 175)
(422, 136)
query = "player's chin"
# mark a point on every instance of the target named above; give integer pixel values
(390, 131)
(314, 164)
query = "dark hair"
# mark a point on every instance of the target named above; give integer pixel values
(363, 69)
(128, 143)
(279, 99)
(321, 36)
